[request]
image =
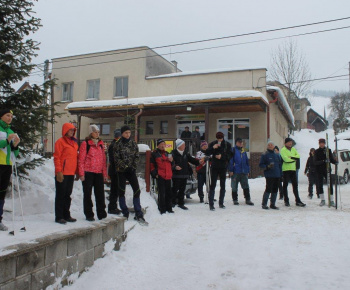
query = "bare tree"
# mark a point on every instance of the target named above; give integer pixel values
(289, 67)
(340, 105)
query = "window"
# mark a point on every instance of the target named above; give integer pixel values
(297, 106)
(104, 128)
(93, 90)
(121, 87)
(67, 91)
(149, 127)
(234, 128)
(163, 127)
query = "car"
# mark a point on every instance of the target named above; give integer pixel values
(343, 166)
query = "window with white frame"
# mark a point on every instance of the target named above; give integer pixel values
(93, 89)
(121, 86)
(67, 91)
(104, 128)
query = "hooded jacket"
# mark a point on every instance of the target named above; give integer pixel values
(93, 161)
(65, 156)
(5, 146)
(239, 162)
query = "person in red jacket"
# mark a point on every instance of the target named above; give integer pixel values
(65, 159)
(93, 173)
(161, 169)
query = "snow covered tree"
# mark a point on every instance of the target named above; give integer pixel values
(289, 67)
(340, 105)
(17, 49)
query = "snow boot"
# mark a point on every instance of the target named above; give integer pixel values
(61, 221)
(115, 211)
(234, 196)
(141, 220)
(300, 203)
(211, 207)
(272, 206)
(264, 206)
(246, 194)
(265, 199)
(201, 199)
(71, 220)
(222, 206)
(235, 202)
(183, 207)
(273, 201)
(310, 196)
(3, 227)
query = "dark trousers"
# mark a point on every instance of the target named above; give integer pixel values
(63, 200)
(164, 194)
(319, 179)
(134, 183)
(312, 181)
(290, 175)
(113, 195)
(271, 188)
(179, 187)
(215, 172)
(94, 180)
(5, 175)
(202, 179)
(280, 186)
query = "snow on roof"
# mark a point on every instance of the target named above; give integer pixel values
(208, 71)
(283, 100)
(167, 99)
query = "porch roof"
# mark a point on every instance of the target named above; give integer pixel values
(248, 100)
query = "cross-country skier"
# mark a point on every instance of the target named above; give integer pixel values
(320, 161)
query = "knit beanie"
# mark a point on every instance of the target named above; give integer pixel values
(287, 140)
(219, 135)
(204, 143)
(117, 133)
(93, 128)
(5, 111)
(179, 142)
(160, 141)
(125, 128)
(238, 140)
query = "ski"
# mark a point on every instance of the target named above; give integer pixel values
(207, 184)
(328, 171)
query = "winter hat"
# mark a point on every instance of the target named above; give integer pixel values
(287, 140)
(204, 143)
(196, 127)
(238, 140)
(219, 135)
(5, 111)
(160, 141)
(179, 142)
(276, 148)
(117, 133)
(93, 128)
(125, 128)
(322, 140)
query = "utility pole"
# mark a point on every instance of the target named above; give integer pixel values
(46, 76)
(349, 76)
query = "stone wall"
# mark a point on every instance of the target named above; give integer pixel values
(54, 258)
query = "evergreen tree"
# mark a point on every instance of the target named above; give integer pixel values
(340, 105)
(17, 49)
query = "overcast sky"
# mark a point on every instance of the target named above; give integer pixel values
(73, 27)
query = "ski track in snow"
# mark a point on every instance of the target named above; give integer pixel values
(240, 247)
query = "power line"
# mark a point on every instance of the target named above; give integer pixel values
(210, 39)
(305, 81)
(207, 48)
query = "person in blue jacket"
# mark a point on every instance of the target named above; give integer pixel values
(239, 171)
(271, 162)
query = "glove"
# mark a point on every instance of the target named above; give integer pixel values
(59, 177)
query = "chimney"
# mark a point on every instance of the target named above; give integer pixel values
(174, 62)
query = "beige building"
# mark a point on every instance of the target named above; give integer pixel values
(140, 87)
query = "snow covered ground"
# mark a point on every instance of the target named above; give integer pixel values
(240, 247)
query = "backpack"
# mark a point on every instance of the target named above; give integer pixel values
(88, 147)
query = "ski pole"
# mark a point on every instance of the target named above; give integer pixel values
(13, 204)
(23, 229)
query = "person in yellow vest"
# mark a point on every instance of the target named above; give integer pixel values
(8, 143)
(289, 157)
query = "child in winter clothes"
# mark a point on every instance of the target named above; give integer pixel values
(201, 170)
(8, 143)
(310, 171)
(65, 158)
(93, 173)
(161, 170)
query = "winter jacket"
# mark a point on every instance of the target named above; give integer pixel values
(182, 161)
(320, 160)
(224, 149)
(186, 135)
(6, 147)
(201, 168)
(289, 158)
(196, 135)
(239, 162)
(126, 155)
(271, 157)
(65, 156)
(310, 165)
(111, 166)
(160, 165)
(93, 161)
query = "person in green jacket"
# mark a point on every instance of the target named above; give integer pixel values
(289, 157)
(8, 144)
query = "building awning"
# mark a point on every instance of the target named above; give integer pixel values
(230, 101)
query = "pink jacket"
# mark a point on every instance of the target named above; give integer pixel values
(94, 161)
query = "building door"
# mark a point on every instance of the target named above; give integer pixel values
(236, 128)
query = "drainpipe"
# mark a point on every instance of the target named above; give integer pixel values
(136, 126)
(268, 113)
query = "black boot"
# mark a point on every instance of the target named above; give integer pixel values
(246, 193)
(265, 199)
(273, 201)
